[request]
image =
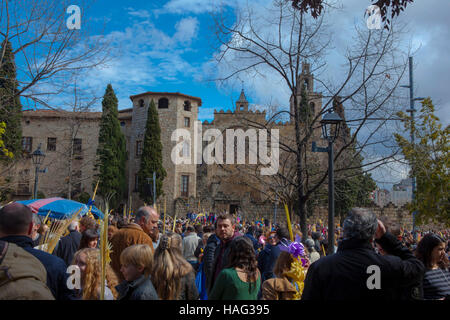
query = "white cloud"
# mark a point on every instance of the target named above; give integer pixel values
(195, 6)
(186, 30)
(138, 13)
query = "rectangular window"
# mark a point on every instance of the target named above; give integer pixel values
(51, 144)
(186, 149)
(187, 122)
(27, 144)
(136, 183)
(138, 148)
(184, 186)
(77, 143)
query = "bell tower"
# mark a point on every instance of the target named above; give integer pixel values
(306, 79)
(242, 103)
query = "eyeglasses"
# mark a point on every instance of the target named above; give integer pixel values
(271, 238)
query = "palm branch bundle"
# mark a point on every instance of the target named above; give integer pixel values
(57, 229)
(105, 251)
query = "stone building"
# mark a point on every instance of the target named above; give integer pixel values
(70, 141)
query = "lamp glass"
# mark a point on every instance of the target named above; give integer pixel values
(38, 156)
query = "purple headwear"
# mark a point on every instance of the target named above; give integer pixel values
(295, 248)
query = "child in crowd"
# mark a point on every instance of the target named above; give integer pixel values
(136, 263)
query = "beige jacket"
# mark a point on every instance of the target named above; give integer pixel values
(22, 276)
(278, 289)
(127, 236)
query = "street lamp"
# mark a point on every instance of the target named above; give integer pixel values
(37, 157)
(411, 110)
(330, 123)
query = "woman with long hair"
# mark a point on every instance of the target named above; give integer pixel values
(436, 281)
(280, 287)
(88, 260)
(89, 239)
(240, 280)
(172, 276)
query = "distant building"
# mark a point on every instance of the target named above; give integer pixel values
(381, 197)
(402, 192)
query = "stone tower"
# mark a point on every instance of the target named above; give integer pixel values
(242, 103)
(175, 111)
(306, 78)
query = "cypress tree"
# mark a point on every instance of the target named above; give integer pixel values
(111, 152)
(10, 106)
(305, 112)
(151, 158)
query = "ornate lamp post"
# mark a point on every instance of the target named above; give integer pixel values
(330, 129)
(37, 157)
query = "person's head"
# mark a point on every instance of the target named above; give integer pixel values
(169, 266)
(89, 239)
(16, 219)
(272, 238)
(86, 223)
(148, 218)
(226, 225)
(242, 255)
(431, 251)
(73, 226)
(360, 224)
(88, 260)
(43, 229)
(36, 225)
(208, 229)
(281, 233)
(251, 230)
(135, 261)
(111, 230)
(309, 244)
(283, 264)
(198, 228)
(190, 229)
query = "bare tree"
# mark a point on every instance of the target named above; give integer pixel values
(276, 43)
(48, 53)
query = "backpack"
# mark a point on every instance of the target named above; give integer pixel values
(22, 276)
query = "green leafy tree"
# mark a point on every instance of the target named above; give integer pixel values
(151, 158)
(111, 152)
(10, 106)
(429, 159)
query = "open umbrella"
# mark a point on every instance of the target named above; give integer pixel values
(60, 208)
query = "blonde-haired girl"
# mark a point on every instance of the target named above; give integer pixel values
(88, 260)
(172, 275)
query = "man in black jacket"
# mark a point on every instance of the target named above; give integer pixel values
(208, 258)
(226, 232)
(68, 245)
(16, 225)
(356, 271)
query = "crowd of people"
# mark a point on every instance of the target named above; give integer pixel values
(221, 257)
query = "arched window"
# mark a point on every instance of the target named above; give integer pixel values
(312, 106)
(141, 103)
(306, 84)
(163, 103)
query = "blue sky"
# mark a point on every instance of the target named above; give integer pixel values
(158, 46)
(169, 46)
